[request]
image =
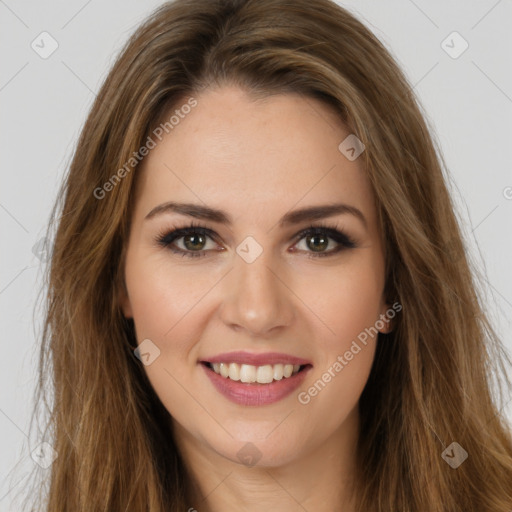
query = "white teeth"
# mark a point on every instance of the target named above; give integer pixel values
(247, 373)
(234, 371)
(261, 374)
(224, 369)
(278, 371)
(265, 374)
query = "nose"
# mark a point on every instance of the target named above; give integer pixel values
(256, 297)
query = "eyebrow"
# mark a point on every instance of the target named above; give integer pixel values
(290, 218)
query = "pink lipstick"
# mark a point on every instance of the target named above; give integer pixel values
(255, 379)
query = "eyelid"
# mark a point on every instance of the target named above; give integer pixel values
(334, 232)
(178, 232)
(342, 239)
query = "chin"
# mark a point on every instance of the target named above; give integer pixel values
(255, 449)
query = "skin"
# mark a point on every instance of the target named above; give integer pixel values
(257, 160)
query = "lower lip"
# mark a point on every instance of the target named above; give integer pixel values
(243, 393)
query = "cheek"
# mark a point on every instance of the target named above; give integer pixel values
(348, 301)
(161, 297)
(166, 308)
(171, 307)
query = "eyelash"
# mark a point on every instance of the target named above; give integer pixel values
(166, 238)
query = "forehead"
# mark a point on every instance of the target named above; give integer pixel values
(241, 155)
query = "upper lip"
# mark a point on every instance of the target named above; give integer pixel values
(242, 357)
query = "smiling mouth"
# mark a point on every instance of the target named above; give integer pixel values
(250, 374)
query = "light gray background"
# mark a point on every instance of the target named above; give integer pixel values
(44, 102)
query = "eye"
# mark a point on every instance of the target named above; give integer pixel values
(191, 241)
(318, 238)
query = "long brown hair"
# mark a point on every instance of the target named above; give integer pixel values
(431, 382)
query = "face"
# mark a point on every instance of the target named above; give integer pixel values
(259, 285)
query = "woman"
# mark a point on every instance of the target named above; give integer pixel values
(258, 293)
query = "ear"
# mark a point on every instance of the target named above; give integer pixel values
(385, 323)
(124, 301)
